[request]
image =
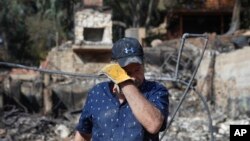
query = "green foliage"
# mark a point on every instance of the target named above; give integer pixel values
(32, 27)
(12, 25)
(135, 12)
(42, 36)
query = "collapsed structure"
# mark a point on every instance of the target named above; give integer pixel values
(60, 95)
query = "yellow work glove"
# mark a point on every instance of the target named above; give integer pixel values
(115, 73)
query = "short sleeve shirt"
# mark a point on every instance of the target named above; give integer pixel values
(107, 119)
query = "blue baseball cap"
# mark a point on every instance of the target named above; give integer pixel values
(126, 51)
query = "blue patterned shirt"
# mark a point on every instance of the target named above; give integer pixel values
(107, 119)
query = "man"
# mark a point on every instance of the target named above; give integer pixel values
(128, 108)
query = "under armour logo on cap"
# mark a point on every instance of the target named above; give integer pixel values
(129, 50)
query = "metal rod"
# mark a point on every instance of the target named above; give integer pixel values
(183, 39)
(210, 121)
(50, 71)
(179, 57)
(191, 79)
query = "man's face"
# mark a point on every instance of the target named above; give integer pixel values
(136, 72)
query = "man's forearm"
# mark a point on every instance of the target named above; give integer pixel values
(145, 112)
(82, 137)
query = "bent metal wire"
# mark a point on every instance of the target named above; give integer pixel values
(175, 79)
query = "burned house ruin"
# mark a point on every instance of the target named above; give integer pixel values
(207, 16)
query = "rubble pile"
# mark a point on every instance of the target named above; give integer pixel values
(17, 125)
(59, 98)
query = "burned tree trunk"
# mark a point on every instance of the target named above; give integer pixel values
(235, 22)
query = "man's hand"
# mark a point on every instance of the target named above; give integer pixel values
(115, 73)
